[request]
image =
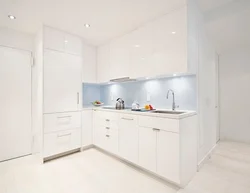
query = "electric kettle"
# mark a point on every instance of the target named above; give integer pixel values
(119, 104)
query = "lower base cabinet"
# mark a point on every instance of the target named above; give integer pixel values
(147, 148)
(62, 141)
(168, 152)
(128, 138)
(166, 147)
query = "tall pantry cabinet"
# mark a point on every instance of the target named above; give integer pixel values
(62, 92)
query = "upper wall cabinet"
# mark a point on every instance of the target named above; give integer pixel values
(119, 57)
(158, 48)
(170, 43)
(89, 64)
(103, 63)
(63, 42)
(141, 50)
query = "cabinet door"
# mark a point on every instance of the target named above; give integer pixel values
(89, 64)
(128, 138)
(62, 82)
(87, 120)
(170, 43)
(168, 155)
(147, 148)
(54, 39)
(99, 136)
(141, 52)
(103, 63)
(73, 44)
(119, 57)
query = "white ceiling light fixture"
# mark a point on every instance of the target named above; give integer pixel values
(12, 17)
(137, 46)
(87, 25)
(66, 41)
(173, 32)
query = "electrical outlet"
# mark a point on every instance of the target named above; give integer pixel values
(148, 96)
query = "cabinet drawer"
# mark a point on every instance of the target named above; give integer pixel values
(171, 125)
(61, 121)
(59, 142)
(105, 118)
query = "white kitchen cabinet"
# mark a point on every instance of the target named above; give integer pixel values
(105, 131)
(89, 64)
(170, 43)
(119, 57)
(62, 82)
(141, 51)
(62, 141)
(158, 48)
(54, 39)
(103, 63)
(61, 41)
(128, 137)
(147, 148)
(87, 125)
(73, 44)
(168, 151)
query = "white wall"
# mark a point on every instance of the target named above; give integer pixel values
(202, 52)
(234, 78)
(15, 39)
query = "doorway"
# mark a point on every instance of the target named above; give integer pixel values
(15, 103)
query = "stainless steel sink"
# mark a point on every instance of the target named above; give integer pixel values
(168, 112)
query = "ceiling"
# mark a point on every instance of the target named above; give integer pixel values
(227, 23)
(108, 18)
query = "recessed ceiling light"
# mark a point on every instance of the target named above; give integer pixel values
(87, 25)
(137, 46)
(173, 32)
(66, 41)
(12, 17)
(174, 74)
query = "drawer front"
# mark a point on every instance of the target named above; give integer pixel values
(105, 118)
(61, 121)
(59, 142)
(171, 125)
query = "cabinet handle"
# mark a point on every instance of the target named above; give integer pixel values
(68, 116)
(107, 135)
(107, 120)
(64, 135)
(155, 129)
(78, 98)
(128, 119)
(107, 128)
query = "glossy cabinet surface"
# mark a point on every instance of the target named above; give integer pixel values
(119, 57)
(61, 41)
(156, 48)
(62, 82)
(87, 125)
(89, 64)
(128, 138)
(147, 148)
(103, 63)
(168, 151)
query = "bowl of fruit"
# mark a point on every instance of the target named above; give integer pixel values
(97, 103)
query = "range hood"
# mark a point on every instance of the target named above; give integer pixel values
(124, 79)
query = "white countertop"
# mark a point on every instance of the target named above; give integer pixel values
(163, 115)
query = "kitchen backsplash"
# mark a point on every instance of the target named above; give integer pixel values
(141, 91)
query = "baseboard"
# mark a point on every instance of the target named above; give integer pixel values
(46, 159)
(206, 157)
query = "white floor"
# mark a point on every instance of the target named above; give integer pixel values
(91, 171)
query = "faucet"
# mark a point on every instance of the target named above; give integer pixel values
(173, 104)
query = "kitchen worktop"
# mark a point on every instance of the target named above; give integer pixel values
(163, 115)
